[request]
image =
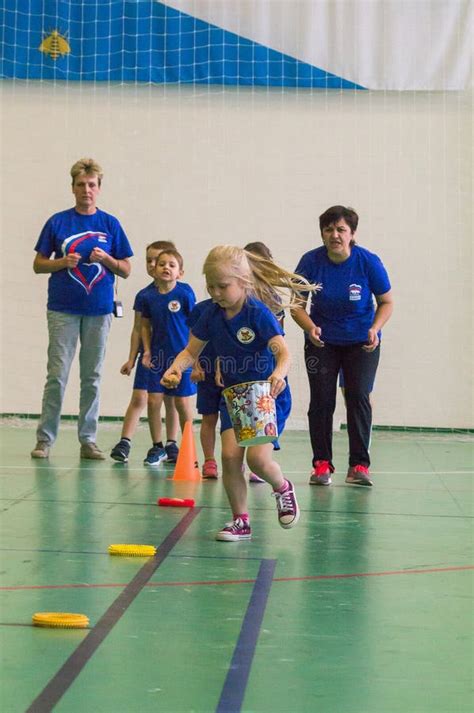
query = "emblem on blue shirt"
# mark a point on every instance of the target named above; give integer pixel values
(355, 292)
(86, 273)
(174, 306)
(245, 335)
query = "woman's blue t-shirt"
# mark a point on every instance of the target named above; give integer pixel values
(88, 288)
(344, 308)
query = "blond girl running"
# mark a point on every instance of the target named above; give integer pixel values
(249, 342)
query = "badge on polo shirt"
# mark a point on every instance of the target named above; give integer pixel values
(355, 292)
(245, 335)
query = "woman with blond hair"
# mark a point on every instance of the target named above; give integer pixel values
(83, 249)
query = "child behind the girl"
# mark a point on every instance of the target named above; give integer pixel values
(249, 344)
(261, 250)
(209, 395)
(121, 451)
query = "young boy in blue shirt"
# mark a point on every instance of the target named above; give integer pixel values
(165, 332)
(121, 451)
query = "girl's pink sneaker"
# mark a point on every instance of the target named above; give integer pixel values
(209, 469)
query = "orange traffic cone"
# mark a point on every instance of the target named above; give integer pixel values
(187, 465)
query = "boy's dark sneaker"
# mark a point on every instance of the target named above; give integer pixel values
(235, 531)
(172, 451)
(288, 510)
(121, 451)
(321, 473)
(358, 475)
(155, 456)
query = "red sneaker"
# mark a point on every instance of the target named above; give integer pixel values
(321, 473)
(209, 469)
(358, 475)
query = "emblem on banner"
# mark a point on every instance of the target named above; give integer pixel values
(55, 45)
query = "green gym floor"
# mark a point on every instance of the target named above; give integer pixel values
(366, 606)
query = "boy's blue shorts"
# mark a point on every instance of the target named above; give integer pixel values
(141, 375)
(208, 397)
(184, 388)
(149, 380)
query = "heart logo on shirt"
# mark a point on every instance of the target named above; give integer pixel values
(86, 274)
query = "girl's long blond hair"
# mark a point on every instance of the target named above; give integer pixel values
(264, 279)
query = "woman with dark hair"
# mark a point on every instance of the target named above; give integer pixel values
(342, 331)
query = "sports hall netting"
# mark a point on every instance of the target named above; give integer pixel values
(227, 122)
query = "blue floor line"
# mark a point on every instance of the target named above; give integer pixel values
(235, 684)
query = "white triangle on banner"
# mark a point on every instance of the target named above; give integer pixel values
(383, 44)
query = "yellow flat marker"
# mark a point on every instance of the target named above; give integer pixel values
(132, 550)
(60, 620)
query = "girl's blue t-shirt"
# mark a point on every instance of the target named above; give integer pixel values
(87, 289)
(207, 358)
(241, 343)
(344, 308)
(169, 315)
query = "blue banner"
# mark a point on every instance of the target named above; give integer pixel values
(142, 41)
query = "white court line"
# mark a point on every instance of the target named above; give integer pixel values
(150, 470)
(421, 472)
